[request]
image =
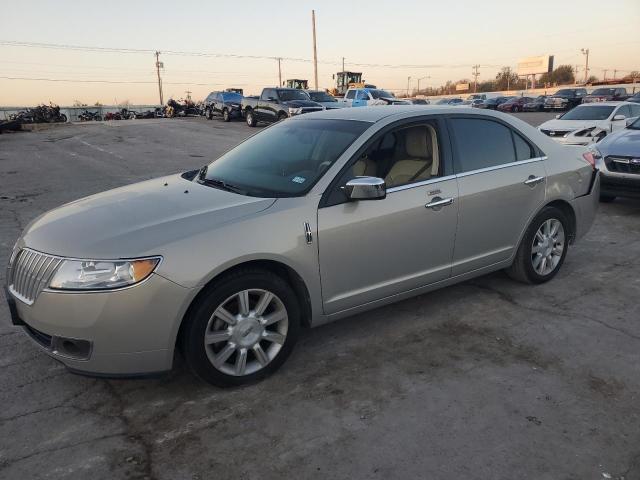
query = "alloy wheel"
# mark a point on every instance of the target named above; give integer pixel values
(548, 246)
(246, 332)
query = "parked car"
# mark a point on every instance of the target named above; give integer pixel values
(565, 99)
(618, 159)
(368, 97)
(634, 98)
(536, 105)
(325, 99)
(228, 105)
(317, 218)
(590, 123)
(276, 104)
(477, 96)
(416, 101)
(606, 95)
(449, 101)
(472, 103)
(514, 104)
(492, 103)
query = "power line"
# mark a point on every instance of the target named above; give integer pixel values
(69, 80)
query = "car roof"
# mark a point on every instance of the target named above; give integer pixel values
(377, 113)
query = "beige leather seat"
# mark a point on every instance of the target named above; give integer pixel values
(418, 164)
(364, 167)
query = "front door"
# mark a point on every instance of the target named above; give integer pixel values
(502, 178)
(372, 249)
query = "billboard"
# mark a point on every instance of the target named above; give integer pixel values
(462, 87)
(535, 65)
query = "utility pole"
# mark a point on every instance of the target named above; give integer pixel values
(475, 74)
(408, 85)
(343, 64)
(159, 65)
(604, 74)
(315, 52)
(585, 52)
(422, 78)
(279, 71)
(614, 74)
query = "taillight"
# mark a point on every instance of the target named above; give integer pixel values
(589, 157)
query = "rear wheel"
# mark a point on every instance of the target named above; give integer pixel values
(242, 328)
(251, 119)
(543, 248)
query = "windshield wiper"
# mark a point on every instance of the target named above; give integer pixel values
(222, 185)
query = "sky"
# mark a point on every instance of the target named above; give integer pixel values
(390, 40)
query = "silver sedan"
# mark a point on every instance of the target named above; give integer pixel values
(311, 220)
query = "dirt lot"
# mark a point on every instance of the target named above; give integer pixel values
(489, 379)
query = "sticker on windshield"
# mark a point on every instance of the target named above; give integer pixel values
(298, 179)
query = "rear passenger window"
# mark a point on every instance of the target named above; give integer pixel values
(635, 110)
(481, 144)
(524, 151)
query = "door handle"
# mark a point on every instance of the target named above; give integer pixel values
(533, 180)
(438, 202)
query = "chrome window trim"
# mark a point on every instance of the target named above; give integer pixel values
(420, 184)
(499, 167)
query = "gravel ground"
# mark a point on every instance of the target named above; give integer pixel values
(489, 379)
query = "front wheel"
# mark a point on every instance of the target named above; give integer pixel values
(242, 328)
(543, 248)
(208, 114)
(251, 119)
(225, 115)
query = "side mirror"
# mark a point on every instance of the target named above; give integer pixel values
(366, 188)
(619, 117)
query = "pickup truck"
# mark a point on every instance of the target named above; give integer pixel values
(276, 104)
(362, 97)
(606, 95)
(565, 99)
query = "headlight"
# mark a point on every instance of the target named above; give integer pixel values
(295, 111)
(101, 274)
(584, 131)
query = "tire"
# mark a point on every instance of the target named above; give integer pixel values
(98, 118)
(248, 331)
(526, 267)
(62, 118)
(208, 114)
(607, 198)
(225, 115)
(282, 116)
(251, 119)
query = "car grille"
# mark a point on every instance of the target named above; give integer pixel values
(555, 133)
(311, 109)
(623, 164)
(30, 273)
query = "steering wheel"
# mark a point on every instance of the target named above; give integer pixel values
(323, 166)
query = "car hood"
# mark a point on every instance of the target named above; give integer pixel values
(138, 219)
(624, 143)
(301, 103)
(571, 125)
(330, 105)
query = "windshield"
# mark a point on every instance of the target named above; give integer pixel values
(442, 101)
(284, 160)
(377, 94)
(232, 97)
(321, 97)
(419, 101)
(589, 112)
(564, 93)
(287, 95)
(603, 91)
(511, 100)
(540, 100)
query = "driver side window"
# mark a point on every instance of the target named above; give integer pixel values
(401, 156)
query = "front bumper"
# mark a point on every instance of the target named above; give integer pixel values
(620, 185)
(130, 331)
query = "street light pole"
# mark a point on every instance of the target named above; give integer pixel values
(158, 66)
(315, 52)
(585, 52)
(421, 78)
(408, 85)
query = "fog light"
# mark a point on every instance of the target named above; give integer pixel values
(71, 348)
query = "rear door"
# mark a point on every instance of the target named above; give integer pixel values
(501, 181)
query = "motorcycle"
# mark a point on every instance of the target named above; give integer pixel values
(88, 116)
